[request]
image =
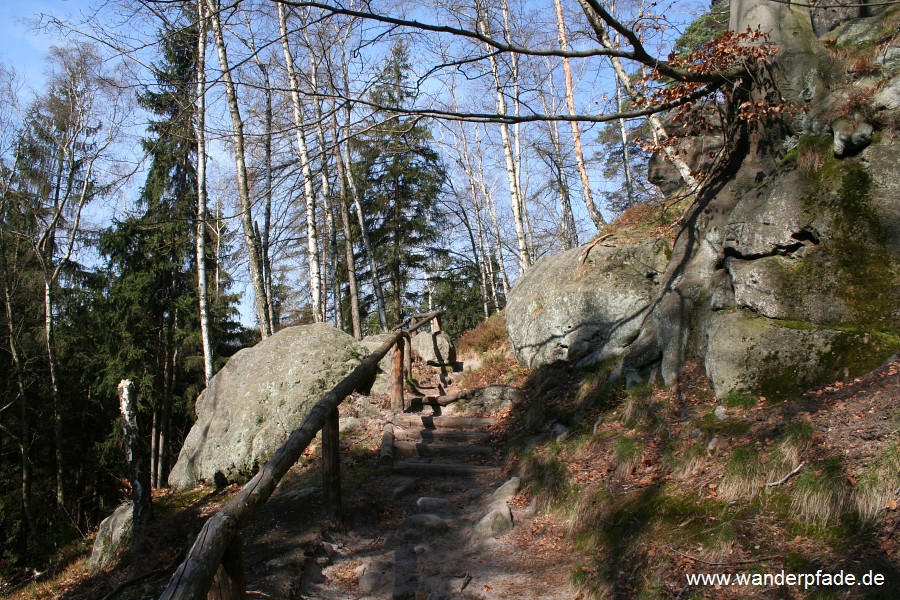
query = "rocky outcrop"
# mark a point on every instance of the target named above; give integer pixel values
(569, 308)
(114, 535)
(776, 359)
(786, 271)
(434, 348)
(260, 396)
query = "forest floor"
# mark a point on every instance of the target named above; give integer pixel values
(624, 494)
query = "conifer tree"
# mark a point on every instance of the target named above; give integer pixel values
(153, 259)
(401, 177)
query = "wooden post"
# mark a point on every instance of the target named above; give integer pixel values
(436, 324)
(386, 456)
(407, 355)
(229, 582)
(331, 466)
(397, 377)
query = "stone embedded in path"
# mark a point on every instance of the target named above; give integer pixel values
(422, 526)
(507, 491)
(498, 521)
(404, 486)
(432, 505)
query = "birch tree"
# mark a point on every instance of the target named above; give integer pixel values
(200, 226)
(245, 205)
(69, 130)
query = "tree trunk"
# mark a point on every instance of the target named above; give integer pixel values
(357, 202)
(49, 343)
(656, 123)
(312, 241)
(250, 240)
(24, 418)
(569, 235)
(587, 194)
(200, 227)
(348, 238)
(626, 154)
(139, 477)
(524, 257)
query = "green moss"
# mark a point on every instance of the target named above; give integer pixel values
(740, 400)
(712, 425)
(849, 265)
(848, 354)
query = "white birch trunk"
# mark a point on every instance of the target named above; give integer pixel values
(251, 242)
(523, 256)
(312, 241)
(587, 193)
(200, 229)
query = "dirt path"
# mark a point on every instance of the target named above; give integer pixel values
(426, 535)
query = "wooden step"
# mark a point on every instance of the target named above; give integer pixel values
(411, 421)
(438, 449)
(441, 435)
(436, 469)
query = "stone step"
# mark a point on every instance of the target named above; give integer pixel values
(441, 435)
(411, 421)
(438, 469)
(437, 449)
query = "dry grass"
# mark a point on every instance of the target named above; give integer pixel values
(487, 335)
(810, 159)
(638, 214)
(627, 454)
(820, 493)
(862, 64)
(857, 104)
(743, 475)
(877, 488)
(797, 436)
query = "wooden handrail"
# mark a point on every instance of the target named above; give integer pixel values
(194, 577)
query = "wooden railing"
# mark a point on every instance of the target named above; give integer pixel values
(213, 568)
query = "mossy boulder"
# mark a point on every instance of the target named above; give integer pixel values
(747, 353)
(114, 536)
(585, 303)
(821, 246)
(258, 398)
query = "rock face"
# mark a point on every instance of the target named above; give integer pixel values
(786, 272)
(115, 533)
(434, 348)
(260, 396)
(566, 309)
(747, 352)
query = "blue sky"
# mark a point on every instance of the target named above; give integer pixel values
(22, 48)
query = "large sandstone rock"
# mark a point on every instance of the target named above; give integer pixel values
(434, 348)
(821, 249)
(114, 535)
(563, 309)
(260, 396)
(382, 383)
(778, 359)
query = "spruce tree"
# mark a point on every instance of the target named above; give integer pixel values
(401, 177)
(152, 259)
